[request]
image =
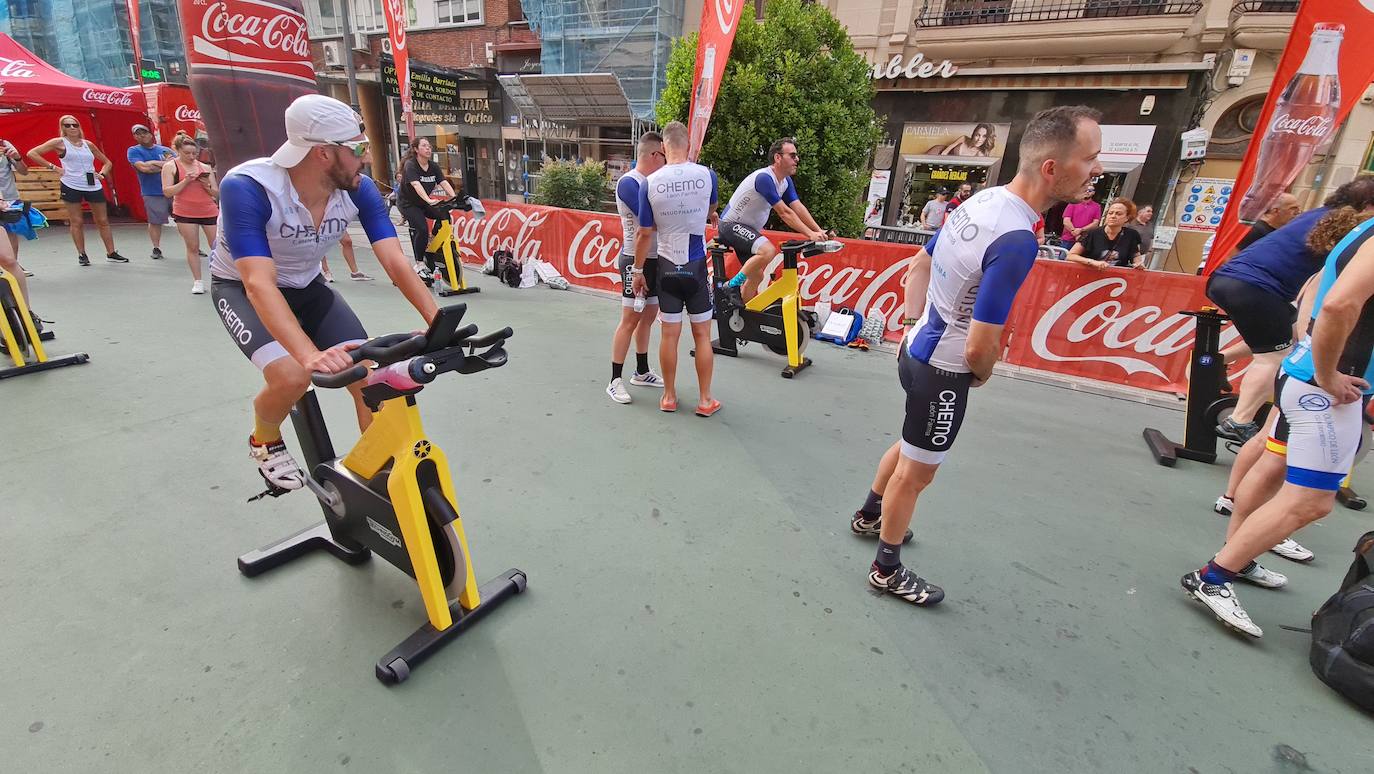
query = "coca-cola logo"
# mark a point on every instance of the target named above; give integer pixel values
(396, 13)
(725, 15)
(1108, 325)
(186, 113)
(508, 229)
(1315, 127)
(16, 68)
(257, 35)
(112, 98)
(592, 255)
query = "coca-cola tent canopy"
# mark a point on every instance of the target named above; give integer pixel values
(27, 80)
(35, 94)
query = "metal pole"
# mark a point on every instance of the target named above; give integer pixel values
(348, 55)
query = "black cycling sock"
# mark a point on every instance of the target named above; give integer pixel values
(641, 362)
(889, 557)
(617, 370)
(872, 507)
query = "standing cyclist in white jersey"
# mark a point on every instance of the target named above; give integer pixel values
(636, 324)
(278, 218)
(967, 276)
(674, 205)
(761, 192)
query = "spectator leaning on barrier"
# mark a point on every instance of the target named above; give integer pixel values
(1078, 217)
(147, 158)
(1111, 244)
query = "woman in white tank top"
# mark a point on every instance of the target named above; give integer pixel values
(81, 183)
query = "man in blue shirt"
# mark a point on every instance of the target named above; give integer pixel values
(147, 158)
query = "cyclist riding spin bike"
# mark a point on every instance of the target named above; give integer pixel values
(762, 191)
(278, 218)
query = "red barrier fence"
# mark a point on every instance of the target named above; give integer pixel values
(1115, 325)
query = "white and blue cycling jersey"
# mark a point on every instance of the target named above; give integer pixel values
(261, 216)
(675, 201)
(753, 200)
(627, 205)
(1357, 358)
(978, 261)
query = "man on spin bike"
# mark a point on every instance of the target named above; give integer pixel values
(762, 191)
(278, 218)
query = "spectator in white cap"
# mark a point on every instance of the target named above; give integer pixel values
(279, 216)
(147, 158)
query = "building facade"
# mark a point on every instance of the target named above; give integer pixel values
(950, 73)
(459, 44)
(99, 48)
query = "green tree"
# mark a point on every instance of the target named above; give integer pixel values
(794, 75)
(572, 185)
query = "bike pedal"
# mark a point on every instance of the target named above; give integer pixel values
(271, 491)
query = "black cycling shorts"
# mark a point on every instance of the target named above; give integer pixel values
(321, 311)
(1264, 319)
(627, 293)
(683, 287)
(740, 238)
(73, 196)
(935, 404)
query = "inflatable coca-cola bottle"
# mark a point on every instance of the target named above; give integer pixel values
(1303, 119)
(248, 61)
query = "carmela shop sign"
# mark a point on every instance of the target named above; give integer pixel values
(914, 67)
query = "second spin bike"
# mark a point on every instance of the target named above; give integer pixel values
(442, 249)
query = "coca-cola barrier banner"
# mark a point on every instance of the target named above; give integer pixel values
(719, 22)
(1303, 108)
(1115, 325)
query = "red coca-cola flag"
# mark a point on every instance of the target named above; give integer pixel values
(719, 21)
(133, 35)
(1306, 103)
(249, 59)
(396, 30)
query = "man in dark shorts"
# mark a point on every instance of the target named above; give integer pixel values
(963, 283)
(278, 218)
(674, 205)
(635, 323)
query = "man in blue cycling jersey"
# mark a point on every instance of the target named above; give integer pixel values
(962, 284)
(761, 193)
(1320, 394)
(279, 216)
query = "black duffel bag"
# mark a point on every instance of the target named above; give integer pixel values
(1343, 632)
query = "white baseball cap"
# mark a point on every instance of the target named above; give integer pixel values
(314, 119)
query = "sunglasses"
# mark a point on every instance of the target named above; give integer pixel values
(71, 126)
(794, 156)
(659, 153)
(359, 147)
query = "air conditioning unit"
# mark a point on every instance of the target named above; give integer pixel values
(333, 54)
(386, 46)
(360, 42)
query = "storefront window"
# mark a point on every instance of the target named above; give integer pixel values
(923, 180)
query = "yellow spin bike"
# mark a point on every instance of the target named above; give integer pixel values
(392, 494)
(21, 336)
(443, 251)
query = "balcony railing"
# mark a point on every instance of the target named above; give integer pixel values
(950, 13)
(1265, 6)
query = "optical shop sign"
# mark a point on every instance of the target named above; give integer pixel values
(426, 85)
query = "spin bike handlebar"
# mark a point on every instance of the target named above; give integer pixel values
(810, 247)
(408, 360)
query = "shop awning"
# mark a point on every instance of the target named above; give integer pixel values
(27, 80)
(575, 98)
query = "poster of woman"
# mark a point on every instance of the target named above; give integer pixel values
(979, 140)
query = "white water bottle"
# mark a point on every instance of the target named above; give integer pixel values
(639, 302)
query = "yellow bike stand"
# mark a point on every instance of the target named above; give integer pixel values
(23, 342)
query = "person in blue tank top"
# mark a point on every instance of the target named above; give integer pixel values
(1320, 396)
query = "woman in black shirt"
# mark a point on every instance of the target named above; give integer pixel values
(1111, 244)
(420, 178)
